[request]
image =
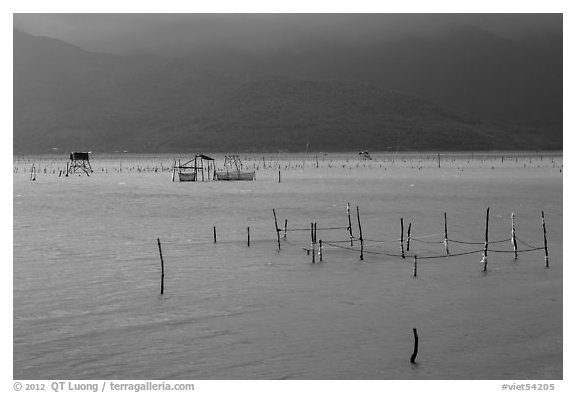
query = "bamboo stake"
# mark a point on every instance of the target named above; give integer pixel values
(320, 250)
(214, 234)
(409, 237)
(277, 231)
(361, 238)
(312, 248)
(402, 237)
(315, 232)
(446, 235)
(514, 243)
(248, 231)
(279, 177)
(415, 353)
(350, 225)
(415, 265)
(485, 257)
(285, 227)
(162, 265)
(545, 240)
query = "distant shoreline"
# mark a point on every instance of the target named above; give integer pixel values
(380, 152)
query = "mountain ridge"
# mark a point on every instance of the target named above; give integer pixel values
(89, 101)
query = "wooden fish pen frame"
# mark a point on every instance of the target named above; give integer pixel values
(189, 171)
(233, 170)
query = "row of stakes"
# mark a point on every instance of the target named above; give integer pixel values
(484, 261)
(313, 232)
(313, 241)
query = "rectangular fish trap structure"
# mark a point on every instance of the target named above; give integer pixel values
(193, 170)
(233, 170)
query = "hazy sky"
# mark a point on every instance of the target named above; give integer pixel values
(137, 33)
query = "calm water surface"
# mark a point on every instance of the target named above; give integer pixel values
(87, 271)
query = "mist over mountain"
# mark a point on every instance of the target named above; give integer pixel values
(476, 74)
(467, 89)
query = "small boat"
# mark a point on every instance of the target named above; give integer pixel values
(235, 175)
(187, 176)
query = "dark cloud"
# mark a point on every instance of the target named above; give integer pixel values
(136, 33)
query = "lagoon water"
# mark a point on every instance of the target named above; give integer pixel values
(87, 301)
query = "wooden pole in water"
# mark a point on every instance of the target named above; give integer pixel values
(350, 225)
(248, 231)
(402, 236)
(408, 237)
(214, 234)
(485, 257)
(285, 227)
(545, 240)
(162, 265)
(320, 249)
(276, 226)
(312, 248)
(415, 353)
(279, 177)
(361, 238)
(315, 232)
(446, 234)
(415, 265)
(514, 244)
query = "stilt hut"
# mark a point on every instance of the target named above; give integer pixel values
(364, 155)
(79, 161)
